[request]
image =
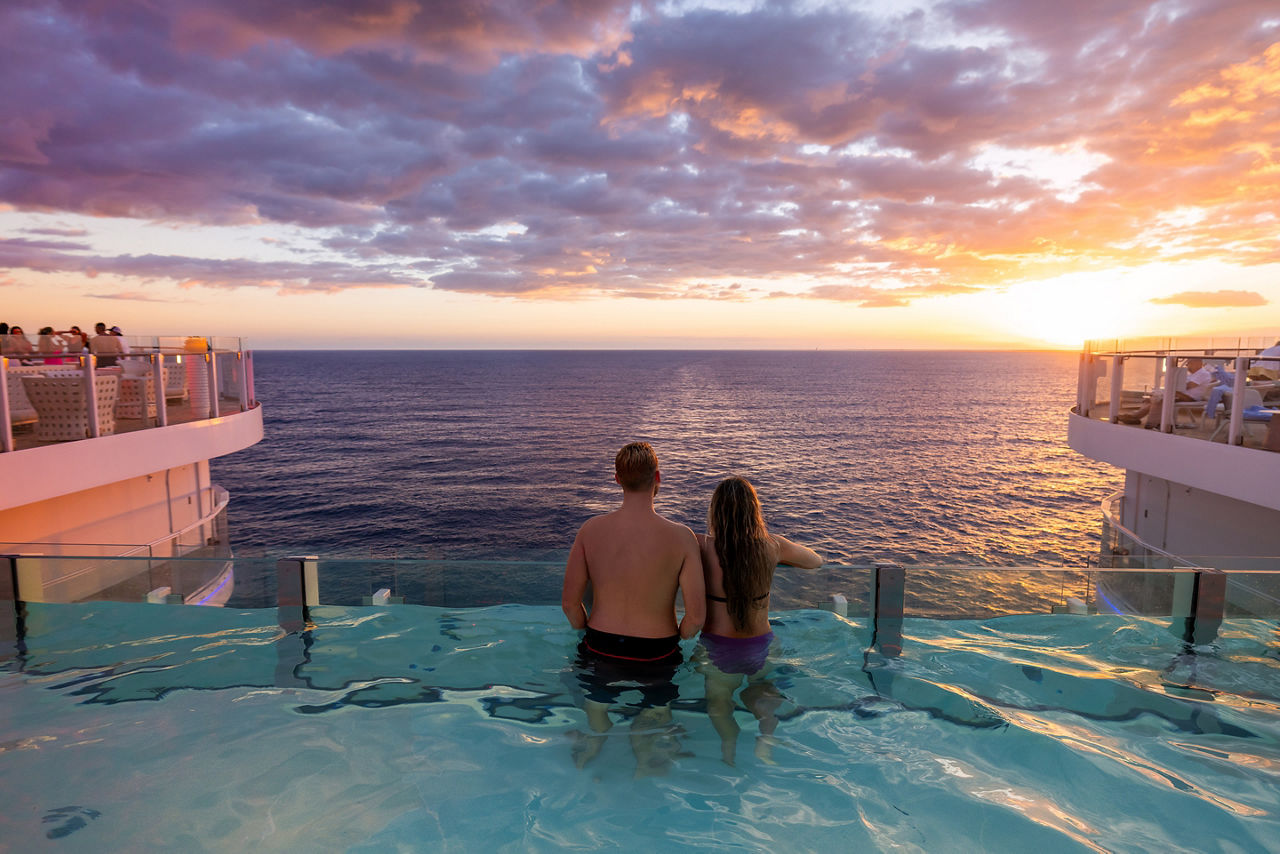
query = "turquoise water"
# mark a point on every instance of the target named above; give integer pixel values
(137, 727)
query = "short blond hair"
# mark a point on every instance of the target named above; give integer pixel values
(636, 465)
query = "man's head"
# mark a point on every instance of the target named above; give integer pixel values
(100, 328)
(1194, 364)
(636, 467)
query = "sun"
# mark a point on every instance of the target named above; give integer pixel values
(1067, 311)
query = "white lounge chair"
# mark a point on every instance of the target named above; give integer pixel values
(20, 409)
(175, 382)
(63, 414)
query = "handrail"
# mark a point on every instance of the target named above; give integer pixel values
(221, 497)
(1109, 518)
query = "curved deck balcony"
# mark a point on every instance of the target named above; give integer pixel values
(1217, 444)
(186, 401)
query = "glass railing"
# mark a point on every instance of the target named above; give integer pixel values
(162, 381)
(880, 601)
(936, 592)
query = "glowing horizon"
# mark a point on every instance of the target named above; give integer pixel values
(386, 173)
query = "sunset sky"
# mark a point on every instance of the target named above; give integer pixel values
(525, 173)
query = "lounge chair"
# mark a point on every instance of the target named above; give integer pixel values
(62, 410)
(175, 382)
(1252, 413)
(20, 409)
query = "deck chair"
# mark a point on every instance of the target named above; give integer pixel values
(20, 409)
(1253, 412)
(175, 382)
(61, 408)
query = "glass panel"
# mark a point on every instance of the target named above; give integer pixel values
(203, 580)
(212, 577)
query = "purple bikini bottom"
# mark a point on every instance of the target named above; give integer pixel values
(737, 655)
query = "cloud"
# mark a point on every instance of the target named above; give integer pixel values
(564, 150)
(1213, 299)
(132, 296)
(286, 277)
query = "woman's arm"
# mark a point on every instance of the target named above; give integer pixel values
(796, 555)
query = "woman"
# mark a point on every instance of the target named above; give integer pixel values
(77, 341)
(16, 343)
(50, 345)
(738, 558)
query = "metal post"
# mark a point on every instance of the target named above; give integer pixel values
(12, 617)
(157, 383)
(1199, 603)
(297, 589)
(6, 417)
(888, 594)
(214, 393)
(1117, 387)
(1235, 430)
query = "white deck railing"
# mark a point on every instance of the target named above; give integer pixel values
(180, 379)
(1146, 370)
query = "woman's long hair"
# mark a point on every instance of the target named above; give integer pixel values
(743, 546)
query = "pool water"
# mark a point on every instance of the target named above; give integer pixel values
(147, 727)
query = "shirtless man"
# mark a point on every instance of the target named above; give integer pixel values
(635, 561)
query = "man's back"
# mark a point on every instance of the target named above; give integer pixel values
(634, 561)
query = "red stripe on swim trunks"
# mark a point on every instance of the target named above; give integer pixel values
(628, 657)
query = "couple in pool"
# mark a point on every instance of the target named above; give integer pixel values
(635, 561)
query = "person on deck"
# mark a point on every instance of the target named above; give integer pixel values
(1195, 385)
(16, 344)
(106, 346)
(635, 562)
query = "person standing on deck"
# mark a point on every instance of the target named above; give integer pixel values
(635, 561)
(105, 346)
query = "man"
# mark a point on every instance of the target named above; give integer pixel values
(1193, 383)
(1269, 369)
(635, 561)
(105, 346)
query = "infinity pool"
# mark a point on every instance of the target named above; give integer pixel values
(149, 727)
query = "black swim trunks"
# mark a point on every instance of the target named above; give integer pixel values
(610, 664)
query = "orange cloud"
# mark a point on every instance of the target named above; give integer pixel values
(1213, 299)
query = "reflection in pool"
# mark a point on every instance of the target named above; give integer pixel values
(136, 727)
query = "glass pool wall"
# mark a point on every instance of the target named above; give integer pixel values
(400, 705)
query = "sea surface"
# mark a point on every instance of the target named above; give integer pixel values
(912, 457)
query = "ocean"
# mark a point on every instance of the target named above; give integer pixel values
(905, 456)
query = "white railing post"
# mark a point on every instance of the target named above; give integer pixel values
(1117, 387)
(1090, 385)
(242, 365)
(1235, 431)
(1170, 393)
(89, 378)
(1081, 371)
(157, 382)
(248, 379)
(6, 417)
(212, 358)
